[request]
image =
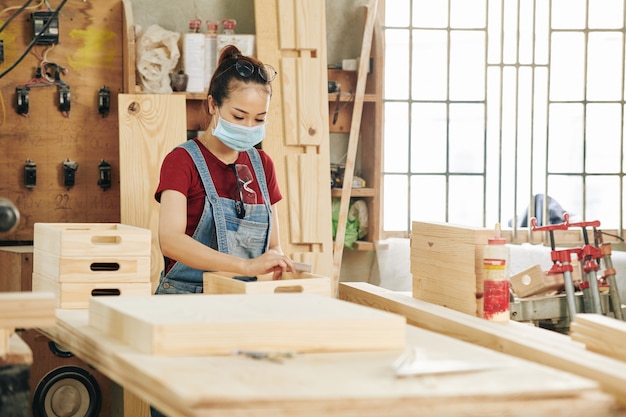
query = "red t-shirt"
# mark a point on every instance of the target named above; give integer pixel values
(178, 172)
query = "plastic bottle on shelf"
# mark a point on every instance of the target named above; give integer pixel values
(245, 43)
(210, 51)
(193, 57)
(496, 279)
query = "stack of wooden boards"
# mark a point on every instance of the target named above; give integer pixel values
(77, 260)
(517, 339)
(601, 334)
(447, 265)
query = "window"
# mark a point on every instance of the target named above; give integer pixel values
(506, 100)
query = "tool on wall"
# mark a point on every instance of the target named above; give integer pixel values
(104, 101)
(64, 99)
(104, 177)
(30, 174)
(69, 173)
(22, 100)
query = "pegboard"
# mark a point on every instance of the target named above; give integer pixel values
(90, 49)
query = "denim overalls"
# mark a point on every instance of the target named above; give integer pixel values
(220, 228)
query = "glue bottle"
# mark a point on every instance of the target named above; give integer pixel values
(496, 294)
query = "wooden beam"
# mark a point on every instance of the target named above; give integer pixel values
(517, 339)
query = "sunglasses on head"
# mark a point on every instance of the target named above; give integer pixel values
(240, 209)
(246, 68)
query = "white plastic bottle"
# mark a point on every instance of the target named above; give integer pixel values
(496, 279)
(193, 57)
(210, 51)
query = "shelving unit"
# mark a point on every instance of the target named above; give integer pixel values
(369, 154)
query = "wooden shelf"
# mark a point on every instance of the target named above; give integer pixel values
(355, 192)
(345, 97)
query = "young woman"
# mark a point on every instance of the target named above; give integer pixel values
(218, 193)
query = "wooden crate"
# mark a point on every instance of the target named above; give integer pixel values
(17, 268)
(92, 239)
(207, 324)
(92, 269)
(76, 295)
(225, 283)
(446, 264)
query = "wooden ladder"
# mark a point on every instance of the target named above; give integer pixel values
(353, 139)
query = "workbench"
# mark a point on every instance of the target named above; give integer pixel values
(355, 384)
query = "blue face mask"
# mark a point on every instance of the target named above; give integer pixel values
(238, 137)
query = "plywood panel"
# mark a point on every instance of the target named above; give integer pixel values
(90, 50)
(151, 125)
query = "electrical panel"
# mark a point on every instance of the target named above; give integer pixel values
(50, 35)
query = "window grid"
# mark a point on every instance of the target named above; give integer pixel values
(527, 148)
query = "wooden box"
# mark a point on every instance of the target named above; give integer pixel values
(92, 239)
(92, 269)
(225, 283)
(446, 265)
(207, 324)
(17, 268)
(76, 295)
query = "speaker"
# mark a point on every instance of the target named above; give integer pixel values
(62, 384)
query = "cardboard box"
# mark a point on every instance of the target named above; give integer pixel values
(226, 283)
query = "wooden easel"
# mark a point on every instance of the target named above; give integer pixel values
(353, 139)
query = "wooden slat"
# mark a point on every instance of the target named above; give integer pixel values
(602, 334)
(353, 140)
(151, 125)
(18, 352)
(517, 339)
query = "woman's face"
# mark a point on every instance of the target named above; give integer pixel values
(247, 105)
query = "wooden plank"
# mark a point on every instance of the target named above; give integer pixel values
(601, 334)
(337, 384)
(201, 324)
(353, 140)
(151, 125)
(517, 339)
(129, 48)
(26, 310)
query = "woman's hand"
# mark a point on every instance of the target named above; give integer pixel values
(271, 261)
